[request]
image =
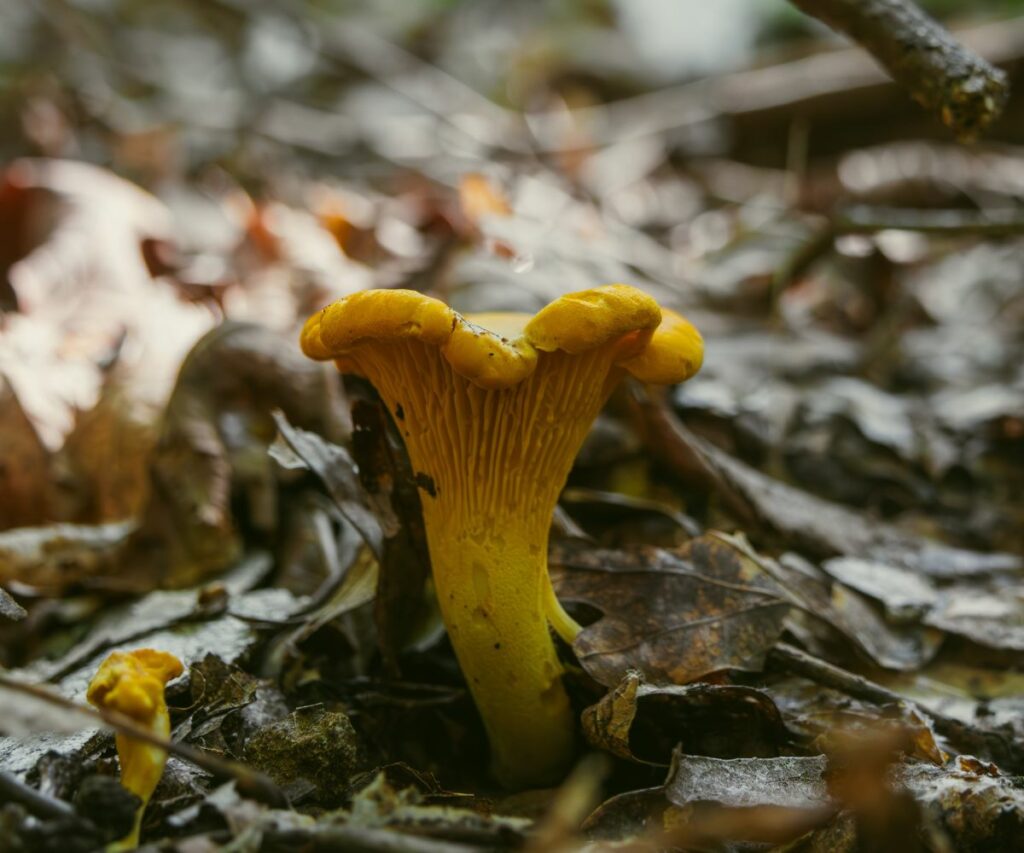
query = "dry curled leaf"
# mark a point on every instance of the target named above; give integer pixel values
(645, 722)
(83, 290)
(211, 456)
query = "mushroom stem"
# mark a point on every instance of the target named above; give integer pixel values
(565, 626)
(491, 464)
(506, 652)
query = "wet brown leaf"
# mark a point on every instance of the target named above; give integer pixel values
(813, 712)
(675, 616)
(103, 461)
(211, 456)
(980, 807)
(830, 612)
(401, 607)
(225, 704)
(627, 816)
(25, 496)
(374, 489)
(334, 466)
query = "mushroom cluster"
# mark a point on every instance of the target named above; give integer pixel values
(493, 409)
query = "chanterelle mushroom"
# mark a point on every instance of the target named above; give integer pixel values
(133, 684)
(493, 409)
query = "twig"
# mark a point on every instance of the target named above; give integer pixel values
(940, 73)
(871, 220)
(358, 839)
(452, 102)
(39, 804)
(810, 87)
(966, 736)
(250, 783)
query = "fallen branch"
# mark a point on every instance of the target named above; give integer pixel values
(13, 790)
(940, 73)
(964, 736)
(250, 783)
(359, 839)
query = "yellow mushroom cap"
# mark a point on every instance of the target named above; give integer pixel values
(500, 350)
(674, 353)
(133, 682)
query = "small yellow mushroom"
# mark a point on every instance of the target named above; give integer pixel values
(493, 409)
(132, 683)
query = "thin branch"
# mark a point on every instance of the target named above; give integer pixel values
(965, 736)
(251, 783)
(41, 805)
(871, 220)
(939, 72)
(359, 839)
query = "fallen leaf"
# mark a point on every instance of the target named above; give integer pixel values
(906, 595)
(790, 781)
(809, 524)
(990, 615)
(403, 611)
(644, 722)
(479, 198)
(334, 466)
(211, 455)
(25, 493)
(831, 611)
(83, 290)
(102, 464)
(52, 558)
(9, 608)
(980, 807)
(675, 616)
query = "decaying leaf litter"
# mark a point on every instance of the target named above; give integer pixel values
(797, 575)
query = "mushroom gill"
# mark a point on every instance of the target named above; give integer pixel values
(493, 409)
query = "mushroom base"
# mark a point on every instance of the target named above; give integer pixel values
(506, 653)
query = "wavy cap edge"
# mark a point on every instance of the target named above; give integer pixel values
(573, 323)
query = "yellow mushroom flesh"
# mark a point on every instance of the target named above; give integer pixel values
(492, 423)
(132, 683)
